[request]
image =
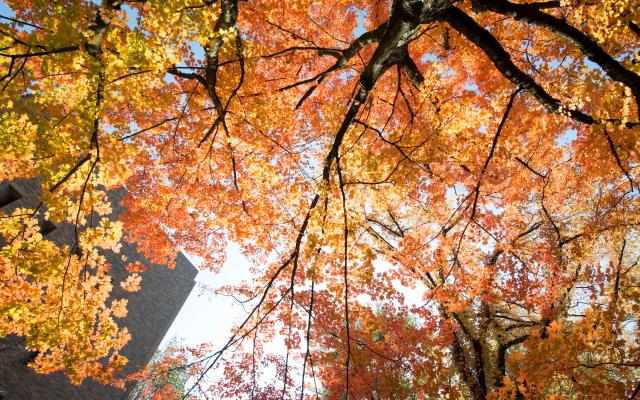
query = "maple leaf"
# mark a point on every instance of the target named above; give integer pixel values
(119, 308)
(132, 283)
(135, 267)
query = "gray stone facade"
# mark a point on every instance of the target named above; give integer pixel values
(151, 311)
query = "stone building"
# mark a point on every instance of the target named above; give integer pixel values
(152, 309)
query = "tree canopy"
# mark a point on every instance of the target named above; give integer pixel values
(483, 154)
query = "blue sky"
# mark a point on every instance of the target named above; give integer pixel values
(206, 317)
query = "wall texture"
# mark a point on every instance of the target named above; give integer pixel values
(151, 311)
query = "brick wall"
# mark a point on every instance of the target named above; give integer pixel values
(151, 311)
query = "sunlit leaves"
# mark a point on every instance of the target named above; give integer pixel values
(460, 228)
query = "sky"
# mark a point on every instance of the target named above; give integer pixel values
(208, 317)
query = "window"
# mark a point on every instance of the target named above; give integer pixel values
(46, 227)
(30, 357)
(8, 195)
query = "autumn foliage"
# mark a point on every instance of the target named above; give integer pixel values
(439, 198)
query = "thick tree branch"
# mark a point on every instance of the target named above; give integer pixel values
(588, 46)
(413, 72)
(482, 38)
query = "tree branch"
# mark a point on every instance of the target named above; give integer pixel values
(482, 38)
(588, 46)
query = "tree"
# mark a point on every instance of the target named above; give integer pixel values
(164, 377)
(482, 152)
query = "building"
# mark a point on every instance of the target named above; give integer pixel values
(151, 311)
